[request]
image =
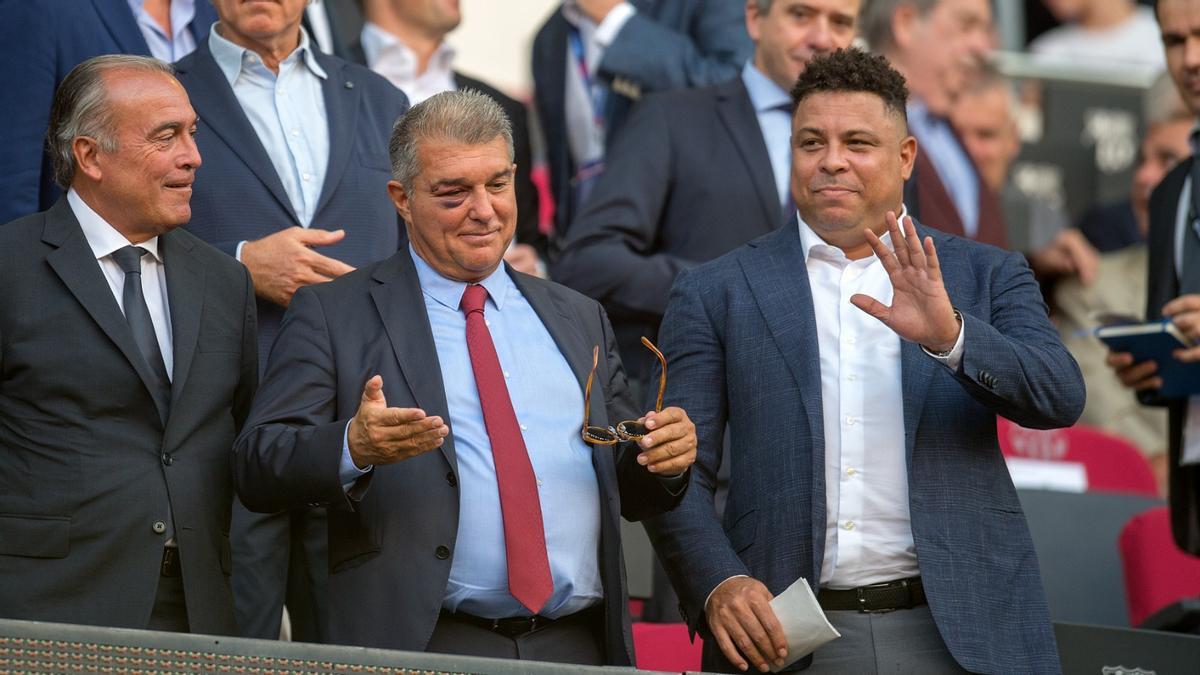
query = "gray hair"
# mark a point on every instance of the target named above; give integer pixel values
(875, 21)
(468, 117)
(81, 108)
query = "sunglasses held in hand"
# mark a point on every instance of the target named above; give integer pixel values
(629, 430)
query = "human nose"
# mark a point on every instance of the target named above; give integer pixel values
(481, 204)
(190, 157)
(820, 36)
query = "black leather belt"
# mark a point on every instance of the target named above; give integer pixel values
(884, 597)
(170, 562)
(517, 626)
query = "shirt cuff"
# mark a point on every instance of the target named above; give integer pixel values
(954, 357)
(348, 472)
(237, 254)
(612, 24)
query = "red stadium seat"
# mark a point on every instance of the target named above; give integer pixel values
(665, 647)
(1157, 572)
(1112, 464)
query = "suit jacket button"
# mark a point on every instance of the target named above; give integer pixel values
(442, 553)
(159, 527)
(167, 459)
(451, 479)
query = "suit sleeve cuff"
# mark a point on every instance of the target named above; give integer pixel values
(612, 24)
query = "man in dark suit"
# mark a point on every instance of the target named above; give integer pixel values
(945, 189)
(697, 173)
(593, 58)
(863, 442)
(500, 539)
(127, 365)
(293, 186)
(43, 41)
(405, 41)
(1174, 282)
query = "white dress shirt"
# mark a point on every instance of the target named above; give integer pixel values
(387, 55)
(585, 133)
(104, 240)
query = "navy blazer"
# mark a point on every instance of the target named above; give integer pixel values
(740, 337)
(43, 41)
(239, 197)
(688, 180)
(391, 544)
(1183, 481)
(668, 44)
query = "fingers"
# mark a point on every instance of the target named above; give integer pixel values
(1188, 321)
(933, 265)
(330, 267)
(373, 390)
(670, 447)
(778, 647)
(315, 236)
(726, 644)
(1190, 355)
(886, 257)
(912, 245)
(871, 306)
(1184, 303)
(1138, 376)
(736, 612)
(748, 635)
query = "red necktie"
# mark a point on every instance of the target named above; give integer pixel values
(529, 578)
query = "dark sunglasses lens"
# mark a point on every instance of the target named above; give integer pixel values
(632, 429)
(599, 435)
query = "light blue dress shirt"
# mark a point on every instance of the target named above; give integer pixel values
(951, 162)
(548, 403)
(773, 106)
(169, 48)
(287, 112)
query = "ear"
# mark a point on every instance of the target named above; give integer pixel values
(399, 197)
(752, 19)
(908, 156)
(86, 151)
(904, 25)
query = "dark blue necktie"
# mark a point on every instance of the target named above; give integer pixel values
(138, 317)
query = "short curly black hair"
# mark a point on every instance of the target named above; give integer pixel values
(853, 70)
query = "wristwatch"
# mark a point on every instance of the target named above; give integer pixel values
(946, 354)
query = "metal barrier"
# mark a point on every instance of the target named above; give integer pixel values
(36, 647)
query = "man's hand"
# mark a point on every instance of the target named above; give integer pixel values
(596, 10)
(523, 258)
(670, 446)
(1184, 312)
(382, 435)
(741, 619)
(1068, 254)
(921, 310)
(282, 262)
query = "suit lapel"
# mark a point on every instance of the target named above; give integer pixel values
(200, 26)
(74, 263)
(217, 106)
(185, 294)
(401, 306)
(341, 111)
(775, 272)
(738, 116)
(121, 23)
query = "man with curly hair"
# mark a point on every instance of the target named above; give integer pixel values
(859, 360)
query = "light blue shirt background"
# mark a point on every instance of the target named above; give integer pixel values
(773, 106)
(951, 162)
(288, 115)
(548, 403)
(169, 48)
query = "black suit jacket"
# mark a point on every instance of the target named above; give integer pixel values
(86, 465)
(1183, 482)
(688, 180)
(391, 543)
(239, 197)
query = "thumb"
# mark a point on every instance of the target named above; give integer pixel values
(317, 237)
(373, 392)
(871, 306)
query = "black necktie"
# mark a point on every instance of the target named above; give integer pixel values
(138, 317)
